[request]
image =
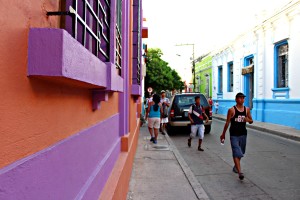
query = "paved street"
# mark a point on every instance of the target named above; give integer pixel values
(271, 166)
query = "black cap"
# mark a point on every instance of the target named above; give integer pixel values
(240, 95)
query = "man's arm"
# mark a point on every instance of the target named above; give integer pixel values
(148, 110)
(229, 116)
(161, 108)
(167, 102)
(206, 117)
(190, 112)
(249, 117)
(190, 117)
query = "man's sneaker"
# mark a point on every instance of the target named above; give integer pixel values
(189, 142)
(155, 141)
(200, 149)
(152, 139)
(234, 169)
(241, 176)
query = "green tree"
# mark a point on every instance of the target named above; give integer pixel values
(159, 74)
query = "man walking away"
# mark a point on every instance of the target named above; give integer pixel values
(238, 116)
(210, 102)
(164, 118)
(216, 107)
(196, 113)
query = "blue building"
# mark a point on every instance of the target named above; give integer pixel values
(263, 64)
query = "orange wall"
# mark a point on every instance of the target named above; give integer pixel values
(36, 113)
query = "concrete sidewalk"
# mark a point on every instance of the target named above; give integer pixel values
(275, 129)
(159, 172)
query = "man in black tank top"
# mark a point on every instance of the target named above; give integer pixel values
(237, 116)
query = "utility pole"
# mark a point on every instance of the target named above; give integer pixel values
(193, 68)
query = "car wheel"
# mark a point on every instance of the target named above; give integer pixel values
(207, 129)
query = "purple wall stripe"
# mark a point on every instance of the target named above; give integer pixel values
(78, 166)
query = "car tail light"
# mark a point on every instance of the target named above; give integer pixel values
(210, 112)
(172, 113)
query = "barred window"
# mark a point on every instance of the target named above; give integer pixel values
(220, 79)
(119, 36)
(88, 21)
(282, 66)
(136, 76)
(230, 77)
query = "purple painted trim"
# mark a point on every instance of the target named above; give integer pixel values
(113, 34)
(125, 96)
(141, 42)
(78, 166)
(136, 90)
(98, 96)
(55, 53)
(114, 81)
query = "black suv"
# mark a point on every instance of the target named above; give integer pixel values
(178, 112)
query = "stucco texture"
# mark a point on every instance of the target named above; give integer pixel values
(35, 113)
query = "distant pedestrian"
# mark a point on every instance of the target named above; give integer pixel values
(196, 114)
(210, 102)
(238, 116)
(164, 117)
(216, 107)
(153, 113)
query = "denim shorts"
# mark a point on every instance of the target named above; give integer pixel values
(238, 145)
(197, 128)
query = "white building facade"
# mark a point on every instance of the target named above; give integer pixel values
(264, 64)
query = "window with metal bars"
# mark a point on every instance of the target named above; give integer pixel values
(88, 21)
(136, 76)
(119, 36)
(281, 65)
(230, 77)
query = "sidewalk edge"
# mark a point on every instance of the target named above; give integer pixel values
(198, 189)
(273, 132)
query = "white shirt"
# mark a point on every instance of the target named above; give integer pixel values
(216, 105)
(166, 100)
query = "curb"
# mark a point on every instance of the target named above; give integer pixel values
(273, 132)
(198, 189)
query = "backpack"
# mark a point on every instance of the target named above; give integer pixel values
(165, 111)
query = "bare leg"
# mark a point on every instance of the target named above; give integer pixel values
(150, 131)
(164, 127)
(156, 133)
(237, 162)
(199, 146)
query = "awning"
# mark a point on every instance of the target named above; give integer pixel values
(248, 69)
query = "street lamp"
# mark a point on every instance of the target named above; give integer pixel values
(193, 68)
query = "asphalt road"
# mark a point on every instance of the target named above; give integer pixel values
(271, 165)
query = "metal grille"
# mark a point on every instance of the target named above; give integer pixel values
(88, 21)
(136, 42)
(119, 36)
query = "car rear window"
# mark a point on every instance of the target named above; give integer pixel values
(188, 100)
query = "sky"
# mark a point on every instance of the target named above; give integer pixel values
(209, 24)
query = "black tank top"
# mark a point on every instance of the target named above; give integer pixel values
(238, 124)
